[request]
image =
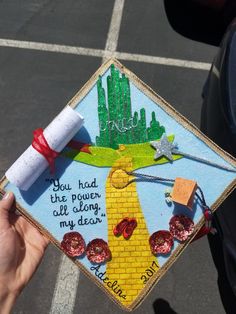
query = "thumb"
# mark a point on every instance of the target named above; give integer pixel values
(5, 205)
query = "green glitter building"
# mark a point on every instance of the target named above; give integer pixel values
(117, 124)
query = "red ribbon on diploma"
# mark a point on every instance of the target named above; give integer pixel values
(41, 145)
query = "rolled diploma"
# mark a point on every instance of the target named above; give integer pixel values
(31, 164)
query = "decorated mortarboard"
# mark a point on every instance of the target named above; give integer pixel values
(123, 193)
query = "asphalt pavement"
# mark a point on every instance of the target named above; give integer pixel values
(36, 83)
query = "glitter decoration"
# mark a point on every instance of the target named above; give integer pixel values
(163, 148)
(73, 244)
(126, 227)
(119, 228)
(161, 242)
(98, 251)
(118, 124)
(181, 227)
(202, 160)
(129, 229)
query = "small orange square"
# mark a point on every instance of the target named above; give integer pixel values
(183, 192)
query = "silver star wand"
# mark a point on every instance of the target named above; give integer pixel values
(165, 148)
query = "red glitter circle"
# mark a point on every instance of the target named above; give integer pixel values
(73, 244)
(98, 251)
(181, 227)
(161, 242)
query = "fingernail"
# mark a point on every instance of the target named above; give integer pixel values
(6, 196)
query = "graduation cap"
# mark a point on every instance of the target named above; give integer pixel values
(104, 205)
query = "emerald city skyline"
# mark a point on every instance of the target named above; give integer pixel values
(117, 124)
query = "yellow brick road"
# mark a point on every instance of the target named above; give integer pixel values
(130, 258)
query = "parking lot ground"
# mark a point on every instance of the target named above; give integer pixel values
(38, 78)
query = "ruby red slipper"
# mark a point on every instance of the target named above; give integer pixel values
(119, 228)
(129, 229)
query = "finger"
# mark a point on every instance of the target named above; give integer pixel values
(5, 205)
